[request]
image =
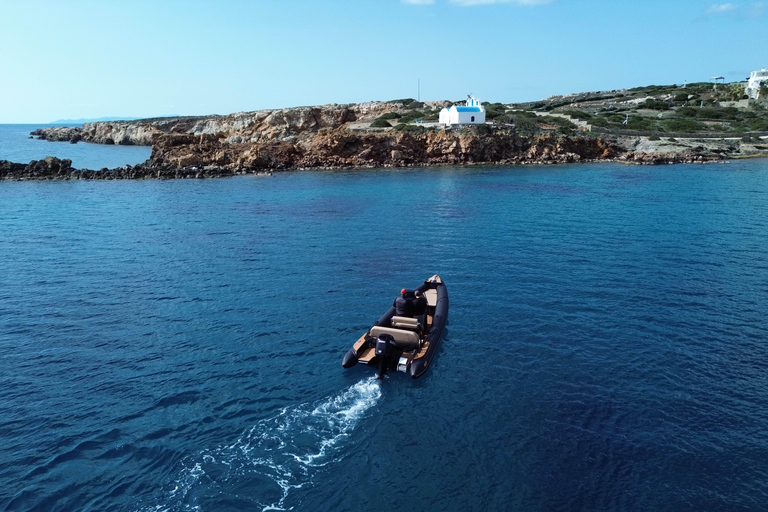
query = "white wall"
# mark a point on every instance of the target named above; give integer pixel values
(466, 117)
(453, 116)
(445, 116)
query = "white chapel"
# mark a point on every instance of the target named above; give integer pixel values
(471, 113)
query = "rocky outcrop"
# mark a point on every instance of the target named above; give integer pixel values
(338, 136)
(59, 133)
(128, 133)
(52, 168)
(259, 126)
(345, 148)
(665, 158)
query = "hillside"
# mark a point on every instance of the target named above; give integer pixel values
(698, 109)
(654, 124)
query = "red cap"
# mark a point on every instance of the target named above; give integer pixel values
(403, 291)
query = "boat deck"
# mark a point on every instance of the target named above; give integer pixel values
(369, 353)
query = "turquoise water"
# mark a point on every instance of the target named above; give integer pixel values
(177, 345)
(16, 146)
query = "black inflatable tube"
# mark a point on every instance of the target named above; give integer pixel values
(439, 320)
(435, 334)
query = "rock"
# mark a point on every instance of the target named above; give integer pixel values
(326, 137)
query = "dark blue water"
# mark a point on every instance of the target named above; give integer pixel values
(177, 345)
(16, 146)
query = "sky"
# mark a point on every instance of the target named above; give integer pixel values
(145, 58)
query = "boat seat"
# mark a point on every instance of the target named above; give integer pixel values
(431, 295)
(403, 322)
(405, 339)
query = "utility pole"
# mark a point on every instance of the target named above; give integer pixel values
(418, 89)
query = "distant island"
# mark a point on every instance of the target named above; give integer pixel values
(696, 122)
(92, 120)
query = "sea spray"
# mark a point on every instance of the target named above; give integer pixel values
(274, 456)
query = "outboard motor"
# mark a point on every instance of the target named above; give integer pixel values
(384, 345)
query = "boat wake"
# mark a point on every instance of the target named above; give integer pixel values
(274, 457)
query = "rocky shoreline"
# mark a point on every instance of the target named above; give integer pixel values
(341, 136)
(52, 168)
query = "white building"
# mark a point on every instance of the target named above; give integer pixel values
(471, 113)
(756, 80)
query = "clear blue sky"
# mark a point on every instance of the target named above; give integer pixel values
(87, 59)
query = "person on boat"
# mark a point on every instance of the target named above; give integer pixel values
(420, 308)
(403, 305)
(419, 304)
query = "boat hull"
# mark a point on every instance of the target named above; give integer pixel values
(405, 352)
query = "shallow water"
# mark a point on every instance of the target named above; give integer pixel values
(177, 345)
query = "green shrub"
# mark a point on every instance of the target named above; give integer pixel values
(426, 115)
(717, 113)
(753, 124)
(493, 110)
(405, 101)
(646, 89)
(732, 92)
(560, 122)
(615, 118)
(672, 139)
(687, 112)
(655, 104)
(654, 137)
(697, 88)
(380, 123)
(524, 124)
(390, 115)
(578, 114)
(412, 128)
(482, 129)
(412, 116)
(642, 124)
(685, 125)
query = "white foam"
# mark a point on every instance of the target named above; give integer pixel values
(286, 448)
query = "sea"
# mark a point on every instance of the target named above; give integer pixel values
(176, 345)
(18, 145)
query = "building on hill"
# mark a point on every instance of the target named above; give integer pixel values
(756, 80)
(471, 113)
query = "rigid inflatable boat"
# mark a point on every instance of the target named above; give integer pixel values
(402, 343)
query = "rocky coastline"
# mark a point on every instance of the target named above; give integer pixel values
(341, 136)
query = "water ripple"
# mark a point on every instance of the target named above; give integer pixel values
(176, 345)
